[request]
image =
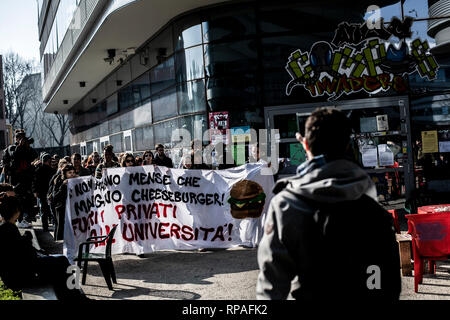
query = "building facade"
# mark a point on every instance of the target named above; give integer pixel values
(5, 129)
(130, 72)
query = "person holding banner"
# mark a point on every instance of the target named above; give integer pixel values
(325, 228)
(148, 158)
(59, 198)
(128, 160)
(161, 159)
(108, 162)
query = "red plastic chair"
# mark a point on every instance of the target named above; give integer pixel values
(430, 241)
(394, 213)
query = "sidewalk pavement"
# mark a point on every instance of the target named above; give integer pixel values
(212, 275)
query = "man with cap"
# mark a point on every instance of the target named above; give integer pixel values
(41, 180)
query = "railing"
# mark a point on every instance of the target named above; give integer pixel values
(80, 19)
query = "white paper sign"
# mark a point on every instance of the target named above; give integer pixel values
(444, 146)
(158, 208)
(382, 122)
(385, 155)
(369, 156)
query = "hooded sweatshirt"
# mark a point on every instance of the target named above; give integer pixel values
(289, 241)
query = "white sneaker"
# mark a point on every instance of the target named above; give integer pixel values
(24, 224)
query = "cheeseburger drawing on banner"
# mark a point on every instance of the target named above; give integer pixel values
(247, 199)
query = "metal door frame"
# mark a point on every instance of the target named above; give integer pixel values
(307, 108)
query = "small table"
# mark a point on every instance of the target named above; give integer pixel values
(434, 208)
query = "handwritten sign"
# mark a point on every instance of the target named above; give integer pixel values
(158, 208)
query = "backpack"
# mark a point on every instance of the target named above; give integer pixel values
(349, 250)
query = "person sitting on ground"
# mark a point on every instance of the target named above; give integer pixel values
(107, 162)
(147, 158)
(128, 160)
(79, 169)
(161, 159)
(22, 265)
(316, 218)
(59, 198)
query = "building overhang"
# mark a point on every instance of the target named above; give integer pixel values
(128, 26)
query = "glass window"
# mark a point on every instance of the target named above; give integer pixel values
(229, 24)
(143, 138)
(137, 66)
(189, 64)
(164, 105)
(143, 114)
(163, 132)
(233, 57)
(104, 128)
(124, 73)
(117, 142)
(162, 76)
(114, 125)
(89, 147)
(159, 48)
(111, 84)
(126, 121)
(276, 50)
(187, 31)
(191, 96)
(189, 37)
(232, 92)
(289, 17)
(112, 105)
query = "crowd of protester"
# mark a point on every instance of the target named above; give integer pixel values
(40, 181)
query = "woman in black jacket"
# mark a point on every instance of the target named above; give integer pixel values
(59, 198)
(21, 265)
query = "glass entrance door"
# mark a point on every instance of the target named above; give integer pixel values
(380, 142)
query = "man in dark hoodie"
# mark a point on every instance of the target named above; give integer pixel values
(325, 236)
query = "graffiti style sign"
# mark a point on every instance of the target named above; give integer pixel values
(358, 59)
(218, 125)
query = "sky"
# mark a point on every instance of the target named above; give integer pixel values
(19, 28)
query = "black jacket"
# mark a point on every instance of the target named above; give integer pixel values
(325, 228)
(165, 161)
(41, 180)
(17, 257)
(59, 193)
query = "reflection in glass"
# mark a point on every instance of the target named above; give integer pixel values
(164, 105)
(135, 93)
(190, 37)
(191, 96)
(232, 92)
(232, 57)
(163, 132)
(189, 64)
(229, 25)
(162, 76)
(143, 114)
(143, 138)
(117, 143)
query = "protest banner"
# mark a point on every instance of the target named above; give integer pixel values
(157, 208)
